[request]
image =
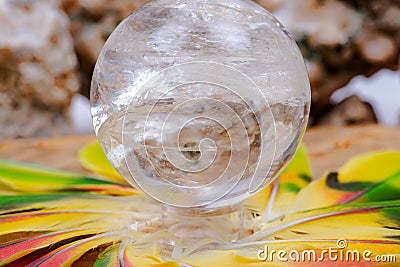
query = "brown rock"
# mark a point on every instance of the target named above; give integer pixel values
(315, 72)
(38, 73)
(341, 39)
(89, 43)
(376, 48)
(350, 111)
(390, 18)
(271, 5)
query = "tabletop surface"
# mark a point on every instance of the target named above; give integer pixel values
(328, 147)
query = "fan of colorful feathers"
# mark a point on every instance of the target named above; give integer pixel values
(350, 217)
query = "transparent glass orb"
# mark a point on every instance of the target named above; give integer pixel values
(200, 103)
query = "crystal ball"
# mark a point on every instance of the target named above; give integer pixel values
(200, 103)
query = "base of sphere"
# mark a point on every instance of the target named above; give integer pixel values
(191, 225)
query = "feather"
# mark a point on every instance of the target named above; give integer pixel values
(356, 177)
(338, 218)
(145, 255)
(93, 159)
(388, 189)
(370, 167)
(275, 200)
(21, 178)
(68, 254)
(108, 257)
(51, 218)
(17, 249)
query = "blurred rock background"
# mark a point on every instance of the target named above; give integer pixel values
(48, 49)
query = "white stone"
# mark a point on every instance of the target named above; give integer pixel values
(327, 22)
(382, 91)
(37, 47)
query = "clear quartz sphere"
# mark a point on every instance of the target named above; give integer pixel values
(200, 103)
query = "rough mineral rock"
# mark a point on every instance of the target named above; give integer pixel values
(315, 71)
(376, 48)
(37, 68)
(271, 5)
(323, 22)
(341, 39)
(350, 111)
